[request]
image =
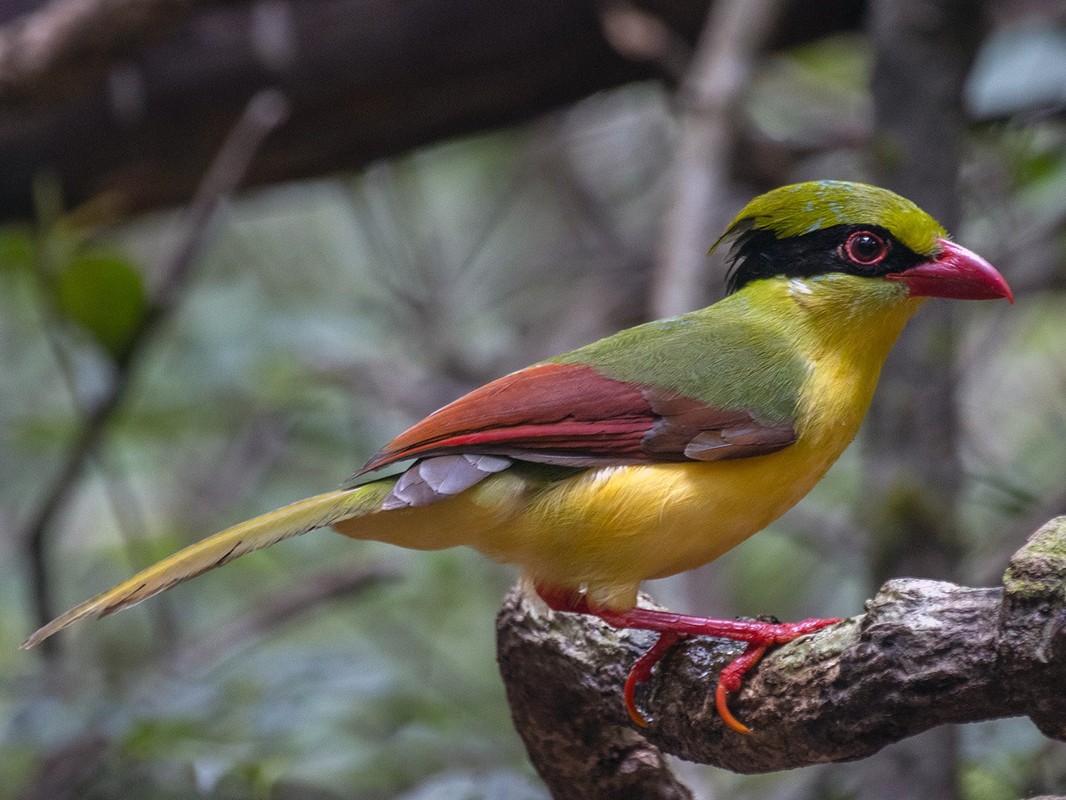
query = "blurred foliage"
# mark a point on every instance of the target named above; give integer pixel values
(323, 318)
(103, 293)
(814, 94)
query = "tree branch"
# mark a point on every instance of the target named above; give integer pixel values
(276, 610)
(66, 44)
(925, 653)
(133, 122)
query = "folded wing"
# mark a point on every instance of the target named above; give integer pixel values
(567, 415)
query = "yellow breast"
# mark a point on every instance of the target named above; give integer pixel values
(608, 529)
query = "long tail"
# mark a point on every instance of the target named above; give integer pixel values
(214, 551)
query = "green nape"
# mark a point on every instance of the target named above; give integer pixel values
(803, 208)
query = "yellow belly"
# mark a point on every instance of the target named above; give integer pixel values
(606, 530)
(609, 529)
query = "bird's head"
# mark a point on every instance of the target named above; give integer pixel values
(824, 227)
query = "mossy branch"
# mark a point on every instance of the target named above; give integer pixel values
(925, 653)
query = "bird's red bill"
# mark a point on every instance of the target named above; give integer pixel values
(956, 273)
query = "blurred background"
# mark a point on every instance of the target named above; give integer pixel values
(242, 244)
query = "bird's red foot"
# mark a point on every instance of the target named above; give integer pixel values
(672, 628)
(641, 671)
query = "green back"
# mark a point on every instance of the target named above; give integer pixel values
(732, 355)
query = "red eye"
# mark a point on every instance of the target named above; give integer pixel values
(865, 248)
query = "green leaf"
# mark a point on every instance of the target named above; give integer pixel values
(16, 248)
(104, 294)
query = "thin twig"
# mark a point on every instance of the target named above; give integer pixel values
(121, 499)
(641, 35)
(275, 611)
(264, 112)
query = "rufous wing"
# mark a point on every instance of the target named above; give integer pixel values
(572, 415)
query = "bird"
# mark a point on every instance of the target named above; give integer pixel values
(657, 449)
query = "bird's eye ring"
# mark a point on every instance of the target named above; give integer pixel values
(865, 248)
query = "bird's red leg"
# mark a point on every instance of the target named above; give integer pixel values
(672, 627)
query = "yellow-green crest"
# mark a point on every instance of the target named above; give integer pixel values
(803, 208)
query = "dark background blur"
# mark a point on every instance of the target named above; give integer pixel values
(244, 244)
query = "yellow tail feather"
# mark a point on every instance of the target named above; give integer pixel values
(214, 551)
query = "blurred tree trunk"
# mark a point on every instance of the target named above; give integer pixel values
(708, 100)
(923, 51)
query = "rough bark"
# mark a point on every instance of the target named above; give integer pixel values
(925, 653)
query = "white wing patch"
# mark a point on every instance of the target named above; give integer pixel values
(431, 480)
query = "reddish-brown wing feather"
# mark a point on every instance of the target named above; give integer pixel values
(571, 415)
